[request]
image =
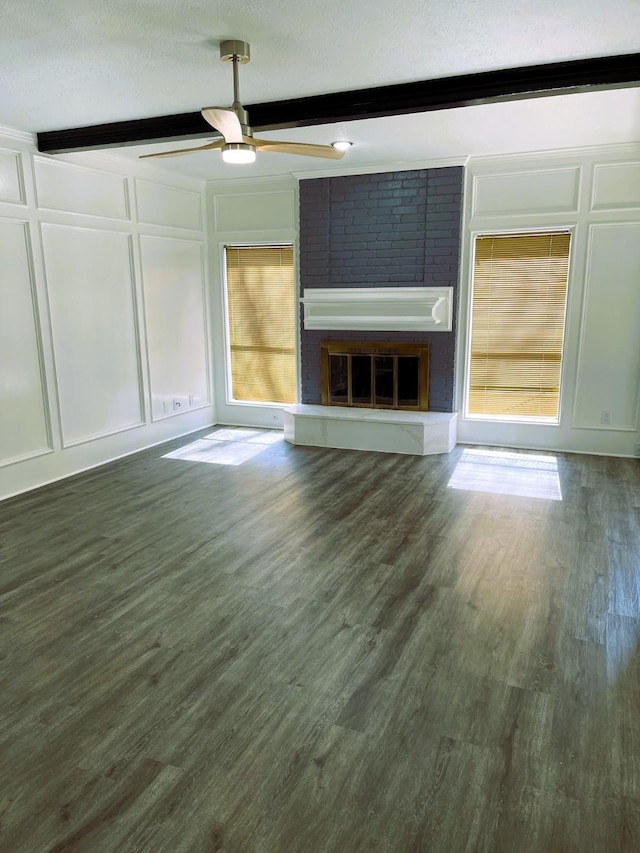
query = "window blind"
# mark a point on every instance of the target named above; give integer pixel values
(517, 325)
(262, 329)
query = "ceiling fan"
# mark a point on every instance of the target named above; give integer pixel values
(238, 144)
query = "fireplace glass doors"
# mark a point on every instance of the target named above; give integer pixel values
(375, 375)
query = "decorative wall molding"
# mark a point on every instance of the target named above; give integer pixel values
(172, 207)
(608, 366)
(244, 212)
(24, 457)
(383, 309)
(616, 186)
(12, 188)
(71, 188)
(105, 343)
(176, 347)
(601, 363)
(521, 193)
(25, 425)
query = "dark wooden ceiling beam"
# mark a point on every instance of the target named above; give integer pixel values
(400, 99)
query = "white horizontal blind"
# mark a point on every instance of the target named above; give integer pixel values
(517, 325)
(262, 328)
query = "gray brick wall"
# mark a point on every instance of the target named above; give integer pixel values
(391, 229)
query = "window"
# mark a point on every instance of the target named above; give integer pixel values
(517, 326)
(261, 321)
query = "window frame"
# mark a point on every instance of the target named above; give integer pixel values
(230, 400)
(531, 420)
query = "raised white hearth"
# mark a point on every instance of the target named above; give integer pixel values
(382, 430)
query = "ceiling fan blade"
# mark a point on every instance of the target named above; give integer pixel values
(225, 121)
(210, 147)
(304, 149)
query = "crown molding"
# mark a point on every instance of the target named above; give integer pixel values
(17, 135)
(381, 168)
(286, 181)
(618, 150)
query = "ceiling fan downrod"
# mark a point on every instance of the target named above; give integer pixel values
(237, 52)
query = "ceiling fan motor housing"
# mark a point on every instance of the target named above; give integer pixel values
(231, 49)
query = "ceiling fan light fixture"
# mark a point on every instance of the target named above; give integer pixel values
(342, 144)
(238, 152)
(238, 144)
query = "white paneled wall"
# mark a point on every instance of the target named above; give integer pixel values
(175, 309)
(245, 213)
(609, 364)
(159, 204)
(103, 311)
(23, 414)
(595, 194)
(264, 208)
(616, 186)
(108, 334)
(503, 194)
(11, 179)
(90, 283)
(65, 186)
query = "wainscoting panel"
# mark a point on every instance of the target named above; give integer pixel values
(250, 211)
(609, 362)
(616, 186)
(90, 284)
(541, 191)
(77, 189)
(11, 179)
(23, 414)
(175, 308)
(162, 205)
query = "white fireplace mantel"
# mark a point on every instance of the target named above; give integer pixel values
(381, 309)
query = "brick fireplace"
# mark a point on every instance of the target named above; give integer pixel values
(396, 229)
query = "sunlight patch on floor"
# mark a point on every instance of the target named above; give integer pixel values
(502, 473)
(252, 436)
(228, 446)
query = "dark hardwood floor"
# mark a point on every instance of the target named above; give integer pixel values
(322, 651)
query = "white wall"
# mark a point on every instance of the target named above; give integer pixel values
(104, 332)
(245, 212)
(596, 194)
(105, 315)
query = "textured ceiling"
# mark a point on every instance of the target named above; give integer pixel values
(78, 62)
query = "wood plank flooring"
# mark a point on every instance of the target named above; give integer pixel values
(320, 651)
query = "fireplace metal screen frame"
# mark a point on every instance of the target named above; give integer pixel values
(373, 348)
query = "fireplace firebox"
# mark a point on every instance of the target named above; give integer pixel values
(375, 375)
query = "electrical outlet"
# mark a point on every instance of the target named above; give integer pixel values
(181, 404)
(605, 417)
